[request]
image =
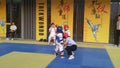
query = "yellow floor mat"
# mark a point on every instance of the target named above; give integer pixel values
(114, 54)
(23, 41)
(25, 60)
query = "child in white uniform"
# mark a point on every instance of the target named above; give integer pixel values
(59, 42)
(52, 35)
(12, 31)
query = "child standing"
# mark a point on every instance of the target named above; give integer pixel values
(52, 35)
(12, 31)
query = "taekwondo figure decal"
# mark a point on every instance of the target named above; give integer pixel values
(94, 28)
(2, 24)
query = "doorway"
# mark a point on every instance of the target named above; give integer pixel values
(13, 14)
(115, 11)
(78, 20)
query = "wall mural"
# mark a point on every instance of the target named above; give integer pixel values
(98, 9)
(41, 19)
(2, 24)
(94, 28)
(97, 16)
(63, 9)
(2, 18)
(62, 13)
(1, 3)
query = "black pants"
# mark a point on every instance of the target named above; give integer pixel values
(117, 35)
(11, 34)
(70, 49)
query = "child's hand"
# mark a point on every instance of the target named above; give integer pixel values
(65, 46)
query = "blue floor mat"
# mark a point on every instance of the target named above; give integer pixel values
(84, 57)
(34, 48)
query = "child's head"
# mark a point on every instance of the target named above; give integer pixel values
(118, 17)
(59, 29)
(52, 24)
(66, 27)
(12, 23)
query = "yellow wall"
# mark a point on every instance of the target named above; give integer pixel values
(59, 19)
(3, 17)
(102, 8)
(41, 19)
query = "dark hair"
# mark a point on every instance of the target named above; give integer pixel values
(52, 23)
(119, 15)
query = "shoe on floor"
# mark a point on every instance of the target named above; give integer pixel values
(71, 57)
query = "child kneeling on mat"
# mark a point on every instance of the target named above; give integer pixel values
(70, 46)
